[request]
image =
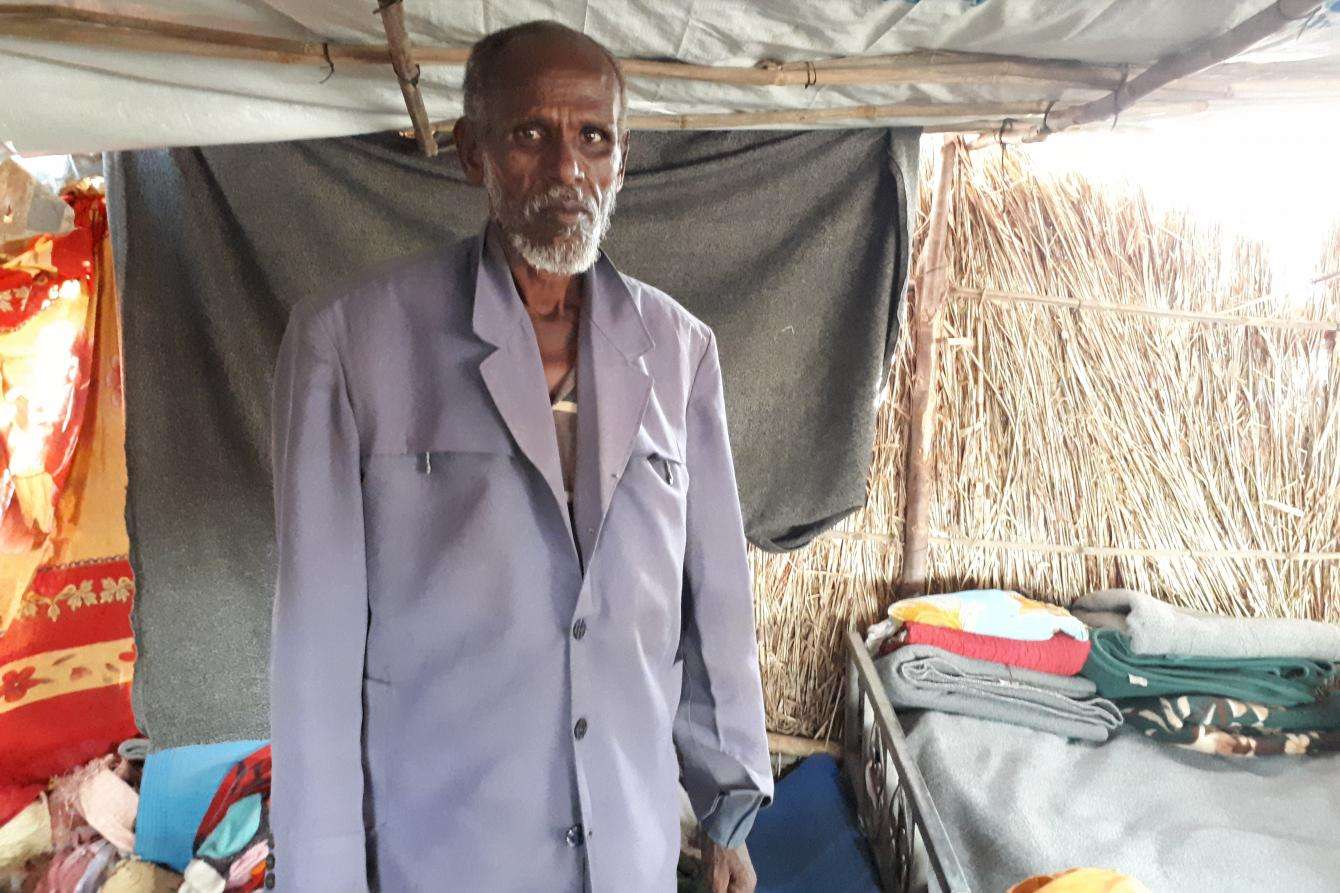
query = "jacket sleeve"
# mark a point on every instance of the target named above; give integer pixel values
(319, 624)
(719, 727)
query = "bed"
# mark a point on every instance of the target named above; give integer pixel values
(953, 804)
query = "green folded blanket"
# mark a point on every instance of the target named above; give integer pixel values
(1121, 673)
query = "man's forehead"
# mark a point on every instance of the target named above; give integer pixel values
(553, 75)
(558, 91)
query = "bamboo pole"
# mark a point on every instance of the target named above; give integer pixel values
(905, 110)
(890, 112)
(1178, 65)
(402, 60)
(913, 69)
(932, 289)
(793, 746)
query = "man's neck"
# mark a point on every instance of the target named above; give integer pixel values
(546, 295)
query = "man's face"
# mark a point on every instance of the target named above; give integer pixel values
(551, 154)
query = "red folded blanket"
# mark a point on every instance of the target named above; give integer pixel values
(1060, 654)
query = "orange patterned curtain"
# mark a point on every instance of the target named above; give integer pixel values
(67, 655)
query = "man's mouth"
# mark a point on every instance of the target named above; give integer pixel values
(569, 212)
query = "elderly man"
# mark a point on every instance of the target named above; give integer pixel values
(513, 610)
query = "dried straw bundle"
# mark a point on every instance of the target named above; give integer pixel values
(1195, 458)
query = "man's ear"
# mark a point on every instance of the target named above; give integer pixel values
(623, 160)
(469, 150)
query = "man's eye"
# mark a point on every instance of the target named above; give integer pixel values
(592, 135)
(529, 134)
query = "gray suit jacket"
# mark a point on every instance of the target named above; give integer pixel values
(466, 693)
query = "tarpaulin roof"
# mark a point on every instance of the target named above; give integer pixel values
(65, 88)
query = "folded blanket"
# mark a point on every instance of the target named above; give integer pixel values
(990, 612)
(1061, 654)
(1157, 627)
(1121, 673)
(1322, 715)
(926, 677)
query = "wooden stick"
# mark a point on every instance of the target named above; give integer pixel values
(402, 60)
(49, 15)
(932, 289)
(793, 746)
(135, 41)
(1264, 322)
(841, 113)
(728, 120)
(1201, 56)
(890, 70)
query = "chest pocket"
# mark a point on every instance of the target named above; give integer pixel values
(449, 521)
(655, 487)
(429, 451)
(439, 480)
(657, 450)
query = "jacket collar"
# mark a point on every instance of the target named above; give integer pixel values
(499, 312)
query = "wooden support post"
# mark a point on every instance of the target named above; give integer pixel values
(931, 290)
(402, 60)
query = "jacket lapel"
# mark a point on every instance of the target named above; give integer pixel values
(613, 388)
(514, 373)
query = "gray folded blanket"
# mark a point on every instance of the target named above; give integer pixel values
(1156, 627)
(926, 677)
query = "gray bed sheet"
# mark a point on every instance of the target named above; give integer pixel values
(1019, 803)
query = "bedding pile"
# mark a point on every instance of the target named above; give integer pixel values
(185, 819)
(996, 655)
(1221, 685)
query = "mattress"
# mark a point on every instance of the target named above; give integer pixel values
(1019, 803)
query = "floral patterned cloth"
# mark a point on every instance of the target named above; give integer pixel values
(67, 654)
(1230, 727)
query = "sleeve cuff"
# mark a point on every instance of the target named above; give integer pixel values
(732, 817)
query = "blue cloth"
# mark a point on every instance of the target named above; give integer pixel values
(175, 792)
(809, 838)
(238, 827)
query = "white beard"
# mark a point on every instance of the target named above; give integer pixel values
(575, 249)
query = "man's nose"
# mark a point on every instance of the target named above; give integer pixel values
(566, 163)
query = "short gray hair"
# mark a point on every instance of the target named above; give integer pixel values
(488, 50)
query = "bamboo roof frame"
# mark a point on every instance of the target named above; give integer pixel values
(69, 25)
(61, 24)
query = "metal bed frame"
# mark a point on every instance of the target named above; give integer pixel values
(895, 808)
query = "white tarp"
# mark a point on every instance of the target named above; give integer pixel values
(72, 98)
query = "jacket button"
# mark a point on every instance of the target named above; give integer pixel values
(579, 730)
(270, 860)
(574, 836)
(269, 880)
(579, 629)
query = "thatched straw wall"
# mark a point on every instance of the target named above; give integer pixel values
(1198, 459)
